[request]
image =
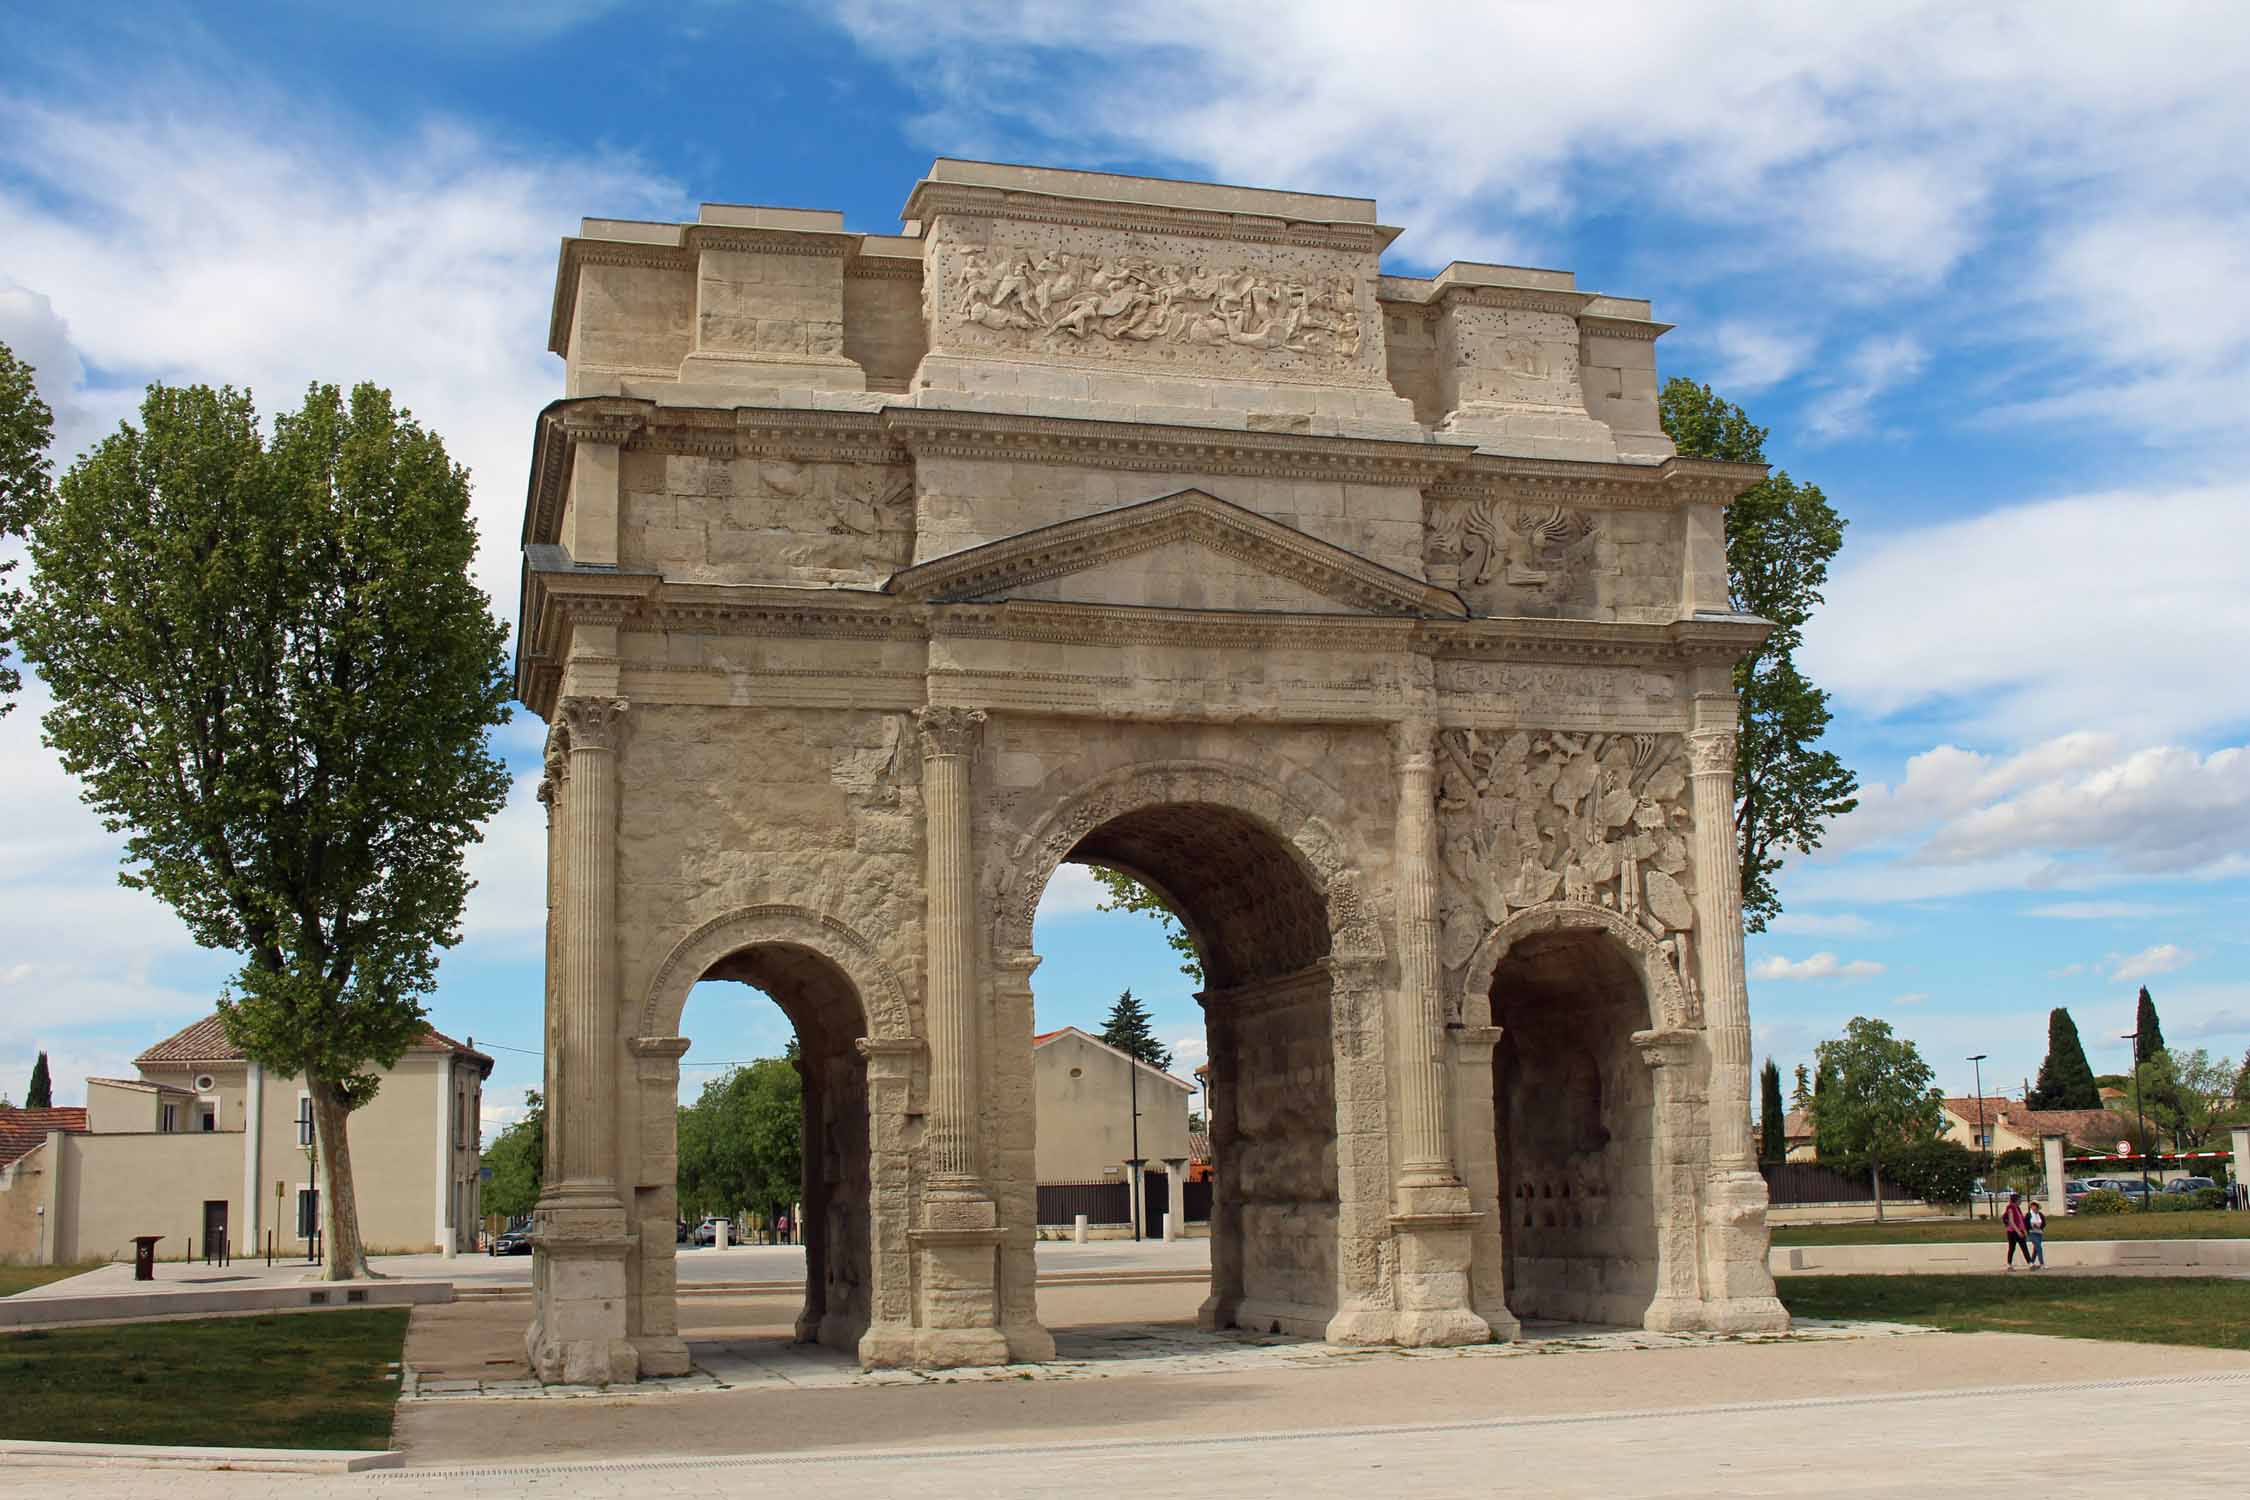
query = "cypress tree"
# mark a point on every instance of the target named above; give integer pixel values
(41, 1093)
(2147, 1030)
(2066, 1079)
(1128, 1030)
(1773, 1140)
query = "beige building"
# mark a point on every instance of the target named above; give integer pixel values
(1086, 1093)
(1370, 618)
(206, 1147)
(2008, 1125)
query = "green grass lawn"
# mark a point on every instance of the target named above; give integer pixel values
(2204, 1310)
(2200, 1224)
(290, 1380)
(14, 1279)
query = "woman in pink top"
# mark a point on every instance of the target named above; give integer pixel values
(2016, 1225)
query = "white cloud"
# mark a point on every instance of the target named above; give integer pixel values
(2150, 962)
(1818, 924)
(1879, 365)
(2129, 603)
(1072, 891)
(1755, 357)
(1818, 966)
(1911, 998)
(2099, 911)
(509, 905)
(2066, 971)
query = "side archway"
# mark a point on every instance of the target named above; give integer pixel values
(1670, 1006)
(890, 1016)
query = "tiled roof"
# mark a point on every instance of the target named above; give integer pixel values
(24, 1130)
(1797, 1125)
(1044, 1037)
(206, 1041)
(2084, 1127)
(1964, 1109)
(1199, 1145)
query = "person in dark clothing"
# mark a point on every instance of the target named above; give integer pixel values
(2016, 1224)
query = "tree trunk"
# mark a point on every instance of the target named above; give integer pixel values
(1875, 1176)
(344, 1257)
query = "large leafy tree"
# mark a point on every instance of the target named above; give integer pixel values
(2188, 1095)
(2066, 1079)
(516, 1159)
(1773, 1134)
(273, 674)
(40, 1092)
(1877, 1098)
(1781, 536)
(27, 427)
(741, 1142)
(1128, 1029)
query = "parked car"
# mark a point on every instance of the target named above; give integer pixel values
(2189, 1184)
(682, 1239)
(514, 1242)
(2136, 1191)
(2073, 1191)
(707, 1232)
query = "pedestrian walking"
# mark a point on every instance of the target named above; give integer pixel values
(2014, 1220)
(2035, 1232)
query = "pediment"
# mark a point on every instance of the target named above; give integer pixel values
(1189, 550)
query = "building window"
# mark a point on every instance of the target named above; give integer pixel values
(171, 1119)
(210, 1114)
(304, 1120)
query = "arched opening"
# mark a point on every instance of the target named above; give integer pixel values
(1575, 1124)
(829, 1214)
(1260, 928)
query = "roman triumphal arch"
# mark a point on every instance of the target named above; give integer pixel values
(1369, 618)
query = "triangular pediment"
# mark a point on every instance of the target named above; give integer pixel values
(1188, 550)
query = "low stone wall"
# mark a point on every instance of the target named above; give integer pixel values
(170, 1302)
(1860, 1213)
(1983, 1257)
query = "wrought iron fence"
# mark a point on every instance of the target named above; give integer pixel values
(1101, 1202)
(1789, 1183)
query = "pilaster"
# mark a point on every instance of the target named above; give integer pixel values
(1476, 1148)
(654, 1327)
(1671, 1058)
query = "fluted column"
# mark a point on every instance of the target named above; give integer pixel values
(949, 741)
(1718, 877)
(1428, 1157)
(551, 791)
(590, 940)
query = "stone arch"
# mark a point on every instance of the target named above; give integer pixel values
(1668, 1003)
(889, 1014)
(1308, 834)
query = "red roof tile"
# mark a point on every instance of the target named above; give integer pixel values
(24, 1130)
(206, 1041)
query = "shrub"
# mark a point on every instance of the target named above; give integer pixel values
(1937, 1171)
(2104, 1201)
(2019, 1160)
(2180, 1203)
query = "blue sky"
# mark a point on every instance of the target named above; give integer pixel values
(1986, 275)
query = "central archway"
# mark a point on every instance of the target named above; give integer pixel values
(1292, 1021)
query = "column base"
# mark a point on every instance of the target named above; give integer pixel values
(1217, 1312)
(959, 1295)
(1738, 1280)
(579, 1335)
(887, 1346)
(1432, 1282)
(1674, 1315)
(1363, 1327)
(1029, 1344)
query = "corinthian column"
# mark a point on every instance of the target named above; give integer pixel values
(582, 1239)
(1431, 1217)
(1428, 1158)
(949, 741)
(590, 942)
(1737, 1286)
(960, 1291)
(1726, 1000)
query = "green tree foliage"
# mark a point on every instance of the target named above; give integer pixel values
(40, 1092)
(1877, 1098)
(2188, 1096)
(517, 1158)
(741, 1141)
(1801, 1092)
(27, 428)
(1773, 1137)
(273, 674)
(2241, 1090)
(2148, 1031)
(1127, 1029)
(2066, 1079)
(1128, 894)
(1781, 536)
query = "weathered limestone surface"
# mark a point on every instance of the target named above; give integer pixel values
(1370, 618)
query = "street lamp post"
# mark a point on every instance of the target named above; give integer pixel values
(1984, 1154)
(2140, 1120)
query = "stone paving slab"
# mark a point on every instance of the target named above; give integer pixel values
(1105, 1352)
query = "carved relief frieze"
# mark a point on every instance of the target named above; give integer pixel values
(1519, 685)
(1529, 817)
(1510, 558)
(845, 521)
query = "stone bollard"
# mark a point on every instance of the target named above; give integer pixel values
(2058, 1200)
(719, 1236)
(1078, 1229)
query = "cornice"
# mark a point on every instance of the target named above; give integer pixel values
(1189, 515)
(1047, 622)
(1517, 299)
(1598, 486)
(1623, 328)
(933, 201)
(1150, 447)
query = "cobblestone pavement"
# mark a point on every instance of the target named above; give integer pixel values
(1871, 1447)
(1134, 1349)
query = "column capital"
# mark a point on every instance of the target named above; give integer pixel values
(1665, 1049)
(592, 723)
(949, 729)
(1711, 752)
(1414, 742)
(674, 1047)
